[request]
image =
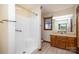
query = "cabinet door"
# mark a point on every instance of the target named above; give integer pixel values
(58, 41)
(70, 43)
(61, 43)
(53, 41)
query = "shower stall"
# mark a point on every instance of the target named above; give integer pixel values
(27, 30)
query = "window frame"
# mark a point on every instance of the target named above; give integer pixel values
(45, 23)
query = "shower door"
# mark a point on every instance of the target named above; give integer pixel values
(27, 33)
(22, 33)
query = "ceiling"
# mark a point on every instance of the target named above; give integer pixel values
(48, 8)
(30, 6)
(55, 7)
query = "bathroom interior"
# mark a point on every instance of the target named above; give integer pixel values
(39, 29)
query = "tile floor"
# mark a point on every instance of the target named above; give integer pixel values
(47, 49)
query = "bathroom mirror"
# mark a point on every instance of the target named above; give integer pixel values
(63, 24)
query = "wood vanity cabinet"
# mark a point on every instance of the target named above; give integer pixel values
(63, 42)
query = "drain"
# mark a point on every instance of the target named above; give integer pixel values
(23, 52)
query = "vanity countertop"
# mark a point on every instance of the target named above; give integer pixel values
(64, 35)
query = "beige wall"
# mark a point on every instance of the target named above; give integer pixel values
(7, 29)
(3, 29)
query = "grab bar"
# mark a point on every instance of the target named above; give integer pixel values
(7, 21)
(1, 21)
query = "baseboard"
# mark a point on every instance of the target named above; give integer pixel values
(77, 51)
(46, 41)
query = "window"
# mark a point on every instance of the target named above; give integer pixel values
(48, 23)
